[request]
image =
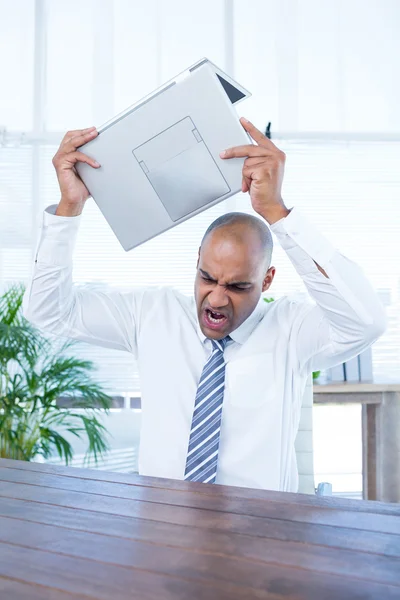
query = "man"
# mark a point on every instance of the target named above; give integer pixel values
(222, 375)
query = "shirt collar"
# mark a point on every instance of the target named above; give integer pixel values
(243, 332)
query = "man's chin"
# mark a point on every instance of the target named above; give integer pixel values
(213, 335)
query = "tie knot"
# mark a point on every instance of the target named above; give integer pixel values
(220, 344)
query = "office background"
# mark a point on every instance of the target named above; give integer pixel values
(325, 74)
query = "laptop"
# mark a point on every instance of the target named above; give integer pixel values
(160, 162)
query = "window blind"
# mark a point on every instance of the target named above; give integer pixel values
(349, 190)
(15, 213)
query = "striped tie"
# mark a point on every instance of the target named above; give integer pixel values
(202, 458)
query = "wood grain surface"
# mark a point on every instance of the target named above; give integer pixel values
(70, 534)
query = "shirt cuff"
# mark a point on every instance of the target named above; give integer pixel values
(302, 241)
(57, 238)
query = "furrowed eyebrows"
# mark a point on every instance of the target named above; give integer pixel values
(248, 283)
(208, 276)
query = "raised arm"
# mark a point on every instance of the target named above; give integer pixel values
(51, 301)
(348, 316)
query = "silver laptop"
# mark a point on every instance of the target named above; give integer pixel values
(160, 162)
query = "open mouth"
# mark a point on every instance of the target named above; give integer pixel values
(214, 319)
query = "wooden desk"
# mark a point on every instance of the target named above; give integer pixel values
(380, 433)
(69, 534)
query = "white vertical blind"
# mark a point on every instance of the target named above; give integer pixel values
(320, 65)
(312, 65)
(69, 64)
(15, 213)
(16, 64)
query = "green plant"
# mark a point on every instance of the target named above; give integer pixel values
(33, 375)
(315, 374)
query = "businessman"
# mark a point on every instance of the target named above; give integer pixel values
(222, 373)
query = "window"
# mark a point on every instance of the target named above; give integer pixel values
(333, 112)
(16, 64)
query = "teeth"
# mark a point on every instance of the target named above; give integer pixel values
(215, 319)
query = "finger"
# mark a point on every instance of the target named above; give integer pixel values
(70, 134)
(246, 182)
(78, 140)
(256, 160)
(266, 163)
(257, 172)
(245, 151)
(74, 157)
(258, 166)
(256, 134)
(73, 134)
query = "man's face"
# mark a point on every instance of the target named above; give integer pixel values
(231, 274)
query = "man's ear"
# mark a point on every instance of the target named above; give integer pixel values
(268, 279)
(198, 258)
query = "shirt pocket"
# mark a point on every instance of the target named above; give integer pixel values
(250, 381)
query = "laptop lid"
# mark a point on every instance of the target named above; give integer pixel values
(160, 162)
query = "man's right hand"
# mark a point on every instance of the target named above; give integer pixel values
(74, 193)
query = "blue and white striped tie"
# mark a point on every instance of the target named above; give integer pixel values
(202, 458)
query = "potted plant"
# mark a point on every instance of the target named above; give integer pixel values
(34, 373)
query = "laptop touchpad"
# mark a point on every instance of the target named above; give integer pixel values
(181, 169)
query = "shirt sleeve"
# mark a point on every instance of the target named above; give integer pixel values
(108, 318)
(347, 316)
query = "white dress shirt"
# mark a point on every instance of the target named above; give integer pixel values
(267, 365)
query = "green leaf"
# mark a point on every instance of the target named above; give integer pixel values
(34, 372)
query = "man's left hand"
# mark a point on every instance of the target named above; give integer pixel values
(263, 172)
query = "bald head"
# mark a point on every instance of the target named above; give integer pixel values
(240, 227)
(233, 270)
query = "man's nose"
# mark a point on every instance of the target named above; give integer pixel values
(218, 297)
